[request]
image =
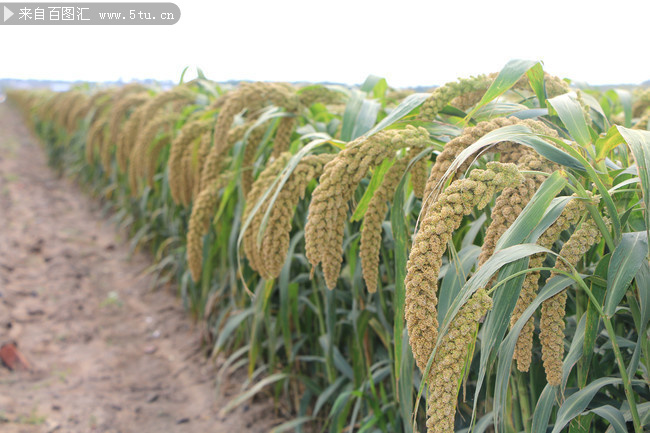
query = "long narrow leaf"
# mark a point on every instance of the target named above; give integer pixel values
(573, 117)
(250, 393)
(507, 347)
(639, 142)
(576, 403)
(543, 409)
(405, 107)
(508, 76)
(626, 260)
(612, 415)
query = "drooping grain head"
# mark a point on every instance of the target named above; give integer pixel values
(251, 96)
(181, 144)
(202, 211)
(319, 94)
(418, 172)
(328, 208)
(128, 136)
(468, 137)
(443, 95)
(523, 349)
(552, 324)
(430, 243)
(446, 371)
(275, 241)
(641, 102)
(467, 92)
(453, 148)
(95, 100)
(178, 93)
(145, 148)
(282, 138)
(117, 123)
(513, 200)
(253, 141)
(74, 112)
(372, 221)
(201, 156)
(261, 185)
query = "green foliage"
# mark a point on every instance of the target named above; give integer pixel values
(341, 357)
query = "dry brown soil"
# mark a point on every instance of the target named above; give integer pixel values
(108, 353)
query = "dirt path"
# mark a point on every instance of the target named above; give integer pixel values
(108, 353)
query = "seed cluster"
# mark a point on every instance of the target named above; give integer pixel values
(436, 228)
(283, 135)
(181, 146)
(321, 94)
(524, 347)
(262, 184)
(641, 102)
(128, 136)
(551, 333)
(118, 113)
(467, 92)
(149, 111)
(454, 147)
(372, 220)
(443, 95)
(250, 96)
(146, 150)
(512, 201)
(418, 173)
(643, 122)
(100, 119)
(179, 93)
(254, 139)
(192, 166)
(512, 152)
(70, 117)
(275, 242)
(202, 211)
(97, 99)
(451, 357)
(96, 136)
(329, 204)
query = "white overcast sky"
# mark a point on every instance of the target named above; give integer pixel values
(407, 42)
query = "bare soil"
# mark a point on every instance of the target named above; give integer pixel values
(108, 353)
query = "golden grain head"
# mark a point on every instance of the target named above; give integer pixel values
(179, 147)
(198, 226)
(261, 185)
(436, 228)
(551, 334)
(275, 241)
(342, 175)
(523, 349)
(446, 372)
(372, 221)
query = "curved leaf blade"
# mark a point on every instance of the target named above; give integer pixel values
(508, 76)
(543, 409)
(405, 107)
(576, 403)
(507, 347)
(571, 114)
(613, 416)
(626, 260)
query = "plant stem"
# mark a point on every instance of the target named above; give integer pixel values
(524, 402)
(515, 422)
(627, 385)
(629, 393)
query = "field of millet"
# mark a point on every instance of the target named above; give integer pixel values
(376, 260)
